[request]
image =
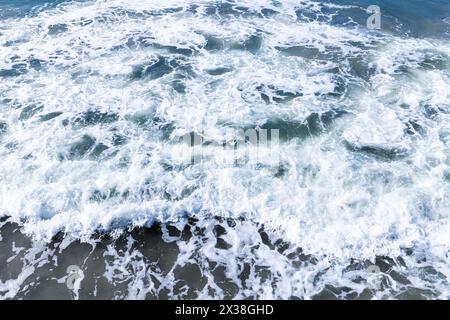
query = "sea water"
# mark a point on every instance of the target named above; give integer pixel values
(352, 201)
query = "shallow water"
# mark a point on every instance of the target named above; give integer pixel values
(96, 96)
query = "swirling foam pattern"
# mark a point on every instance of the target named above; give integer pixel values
(95, 95)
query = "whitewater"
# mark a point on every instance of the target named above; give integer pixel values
(96, 97)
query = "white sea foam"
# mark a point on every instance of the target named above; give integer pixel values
(376, 180)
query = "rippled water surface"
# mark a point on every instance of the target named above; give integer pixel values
(95, 97)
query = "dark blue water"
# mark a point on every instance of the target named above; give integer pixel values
(16, 9)
(417, 18)
(417, 15)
